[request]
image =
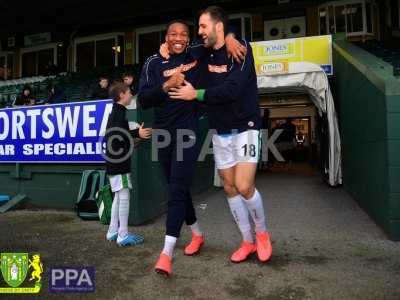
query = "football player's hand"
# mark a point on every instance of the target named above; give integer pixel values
(184, 92)
(164, 51)
(235, 48)
(175, 80)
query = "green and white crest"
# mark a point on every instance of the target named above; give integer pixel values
(14, 267)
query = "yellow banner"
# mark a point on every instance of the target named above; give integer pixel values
(274, 57)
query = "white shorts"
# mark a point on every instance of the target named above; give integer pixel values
(120, 181)
(235, 148)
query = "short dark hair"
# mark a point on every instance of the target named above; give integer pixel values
(179, 21)
(116, 89)
(127, 74)
(217, 14)
(104, 76)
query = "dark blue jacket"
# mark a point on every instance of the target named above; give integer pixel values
(155, 72)
(231, 92)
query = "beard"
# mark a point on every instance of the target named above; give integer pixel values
(212, 38)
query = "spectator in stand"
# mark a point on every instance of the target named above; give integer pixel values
(102, 90)
(26, 98)
(55, 95)
(127, 77)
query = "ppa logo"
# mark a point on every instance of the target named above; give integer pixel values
(72, 280)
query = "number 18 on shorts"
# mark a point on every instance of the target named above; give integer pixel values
(235, 148)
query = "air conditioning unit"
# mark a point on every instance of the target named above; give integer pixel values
(285, 28)
(274, 29)
(295, 27)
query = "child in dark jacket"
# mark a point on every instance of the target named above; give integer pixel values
(119, 148)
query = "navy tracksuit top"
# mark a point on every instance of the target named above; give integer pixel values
(155, 72)
(231, 92)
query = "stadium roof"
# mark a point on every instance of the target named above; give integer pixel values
(39, 16)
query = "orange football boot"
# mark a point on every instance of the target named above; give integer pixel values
(243, 252)
(164, 265)
(195, 244)
(264, 247)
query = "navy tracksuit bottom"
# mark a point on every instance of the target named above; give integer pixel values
(179, 172)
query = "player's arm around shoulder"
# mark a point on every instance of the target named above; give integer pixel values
(234, 48)
(245, 65)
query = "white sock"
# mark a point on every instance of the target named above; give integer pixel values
(256, 209)
(196, 229)
(169, 245)
(241, 216)
(114, 215)
(123, 212)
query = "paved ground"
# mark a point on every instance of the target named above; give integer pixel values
(325, 247)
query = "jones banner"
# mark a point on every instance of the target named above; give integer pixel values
(275, 57)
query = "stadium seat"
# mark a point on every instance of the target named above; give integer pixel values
(76, 86)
